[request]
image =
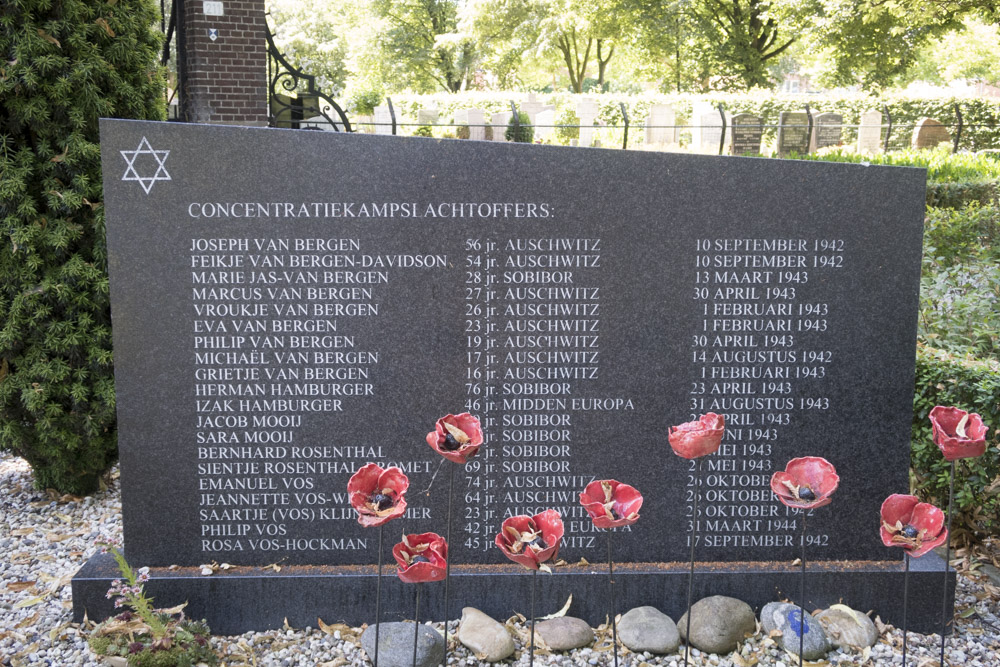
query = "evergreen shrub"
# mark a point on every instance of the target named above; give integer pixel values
(946, 379)
(64, 64)
(523, 132)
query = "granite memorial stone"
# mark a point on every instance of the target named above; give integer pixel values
(827, 131)
(930, 133)
(745, 134)
(793, 133)
(289, 306)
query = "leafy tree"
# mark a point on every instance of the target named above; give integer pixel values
(420, 42)
(744, 35)
(313, 35)
(867, 44)
(970, 53)
(65, 64)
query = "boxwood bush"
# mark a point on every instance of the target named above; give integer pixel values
(946, 379)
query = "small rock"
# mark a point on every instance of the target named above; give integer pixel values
(847, 628)
(718, 623)
(395, 645)
(485, 637)
(786, 617)
(565, 633)
(648, 629)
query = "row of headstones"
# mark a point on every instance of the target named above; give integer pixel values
(744, 135)
(541, 116)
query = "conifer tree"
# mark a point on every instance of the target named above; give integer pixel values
(63, 65)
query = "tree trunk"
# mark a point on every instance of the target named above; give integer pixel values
(602, 64)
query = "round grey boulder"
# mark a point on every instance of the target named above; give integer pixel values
(788, 619)
(648, 629)
(847, 628)
(565, 633)
(485, 637)
(718, 624)
(395, 645)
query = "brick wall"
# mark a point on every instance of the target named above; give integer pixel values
(225, 79)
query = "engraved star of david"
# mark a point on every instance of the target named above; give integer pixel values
(145, 181)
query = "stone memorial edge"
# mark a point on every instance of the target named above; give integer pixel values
(240, 599)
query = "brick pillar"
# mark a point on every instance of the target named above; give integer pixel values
(225, 79)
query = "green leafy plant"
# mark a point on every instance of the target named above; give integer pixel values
(523, 132)
(567, 129)
(64, 65)
(943, 378)
(424, 131)
(362, 100)
(145, 636)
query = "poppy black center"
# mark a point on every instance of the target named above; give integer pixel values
(450, 443)
(381, 501)
(538, 543)
(420, 559)
(910, 531)
(805, 493)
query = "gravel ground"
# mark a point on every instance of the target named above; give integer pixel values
(44, 540)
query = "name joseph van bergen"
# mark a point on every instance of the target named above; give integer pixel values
(368, 210)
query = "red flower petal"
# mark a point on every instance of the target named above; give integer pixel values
(927, 517)
(944, 424)
(627, 501)
(372, 479)
(695, 439)
(549, 523)
(812, 471)
(436, 553)
(465, 422)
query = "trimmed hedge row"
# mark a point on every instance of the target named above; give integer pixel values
(946, 379)
(981, 116)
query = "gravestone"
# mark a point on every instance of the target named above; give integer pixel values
(499, 121)
(870, 132)
(274, 331)
(531, 107)
(706, 130)
(745, 134)
(793, 133)
(586, 111)
(427, 116)
(827, 131)
(660, 125)
(474, 122)
(383, 120)
(930, 133)
(545, 121)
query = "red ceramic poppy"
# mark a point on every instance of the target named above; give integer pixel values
(421, 558)
(917, 527)
(531, 540)
(378, 495)
(958, 434)
(611, 504)
(456, 437)
(805, 482)
(695, 439)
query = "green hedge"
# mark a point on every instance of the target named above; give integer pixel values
(946, 379)
(954, 236)
(981, 116)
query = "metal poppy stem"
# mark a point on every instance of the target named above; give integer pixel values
(531, 646)
(378, 594)
(416, 623)
(906, 590)
(802, 592)
(694, 538)
(447, 567)
(947, 559)
(611, 591)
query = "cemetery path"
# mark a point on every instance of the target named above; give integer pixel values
(45, 538)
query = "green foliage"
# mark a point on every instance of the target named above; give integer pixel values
(946, 379)
(424, 131)
(65, 64)
(362, 99)
(312, 35)
(965, 235)
(522, 132)
(567, 118)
